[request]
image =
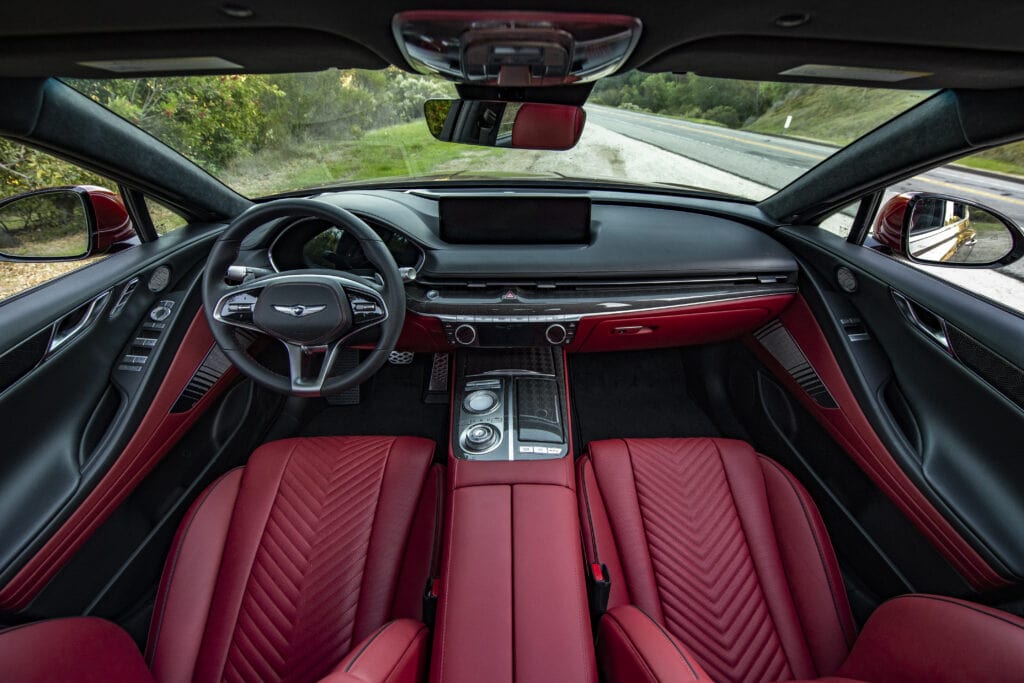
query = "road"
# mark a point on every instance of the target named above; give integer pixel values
(775, 161)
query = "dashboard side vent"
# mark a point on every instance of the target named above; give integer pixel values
(777, 341)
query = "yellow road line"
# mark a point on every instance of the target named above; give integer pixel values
(745, 141)
(736, 138)
(980, 193)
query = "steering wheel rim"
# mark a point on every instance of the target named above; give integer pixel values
(349, 291)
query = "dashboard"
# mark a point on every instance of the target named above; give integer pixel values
(589, 271)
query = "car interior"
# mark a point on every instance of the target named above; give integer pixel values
(514, 428)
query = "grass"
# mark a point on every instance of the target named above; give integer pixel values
(836, 115)
(987, 163)
(402, 150)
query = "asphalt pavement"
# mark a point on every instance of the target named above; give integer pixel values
(775, 161)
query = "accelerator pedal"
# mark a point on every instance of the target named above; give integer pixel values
(346, 360)
(437, 386)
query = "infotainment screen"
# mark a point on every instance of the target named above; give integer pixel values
(515, 220)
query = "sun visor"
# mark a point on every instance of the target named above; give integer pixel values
(844, 63)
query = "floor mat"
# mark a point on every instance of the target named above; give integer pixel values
(391, 405)
(638, 394)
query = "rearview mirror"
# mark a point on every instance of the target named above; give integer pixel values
(46, 225)
(941, 230)
(492, 123)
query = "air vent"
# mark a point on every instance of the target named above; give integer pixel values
(777, 341)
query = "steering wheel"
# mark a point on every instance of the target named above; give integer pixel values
(312, 312)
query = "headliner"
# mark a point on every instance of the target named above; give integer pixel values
(965, 45)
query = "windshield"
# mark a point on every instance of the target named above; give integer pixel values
(267, 134)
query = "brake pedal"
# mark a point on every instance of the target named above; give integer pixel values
(401, 357)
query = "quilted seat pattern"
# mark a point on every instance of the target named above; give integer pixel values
(300, 604)
(710, 595)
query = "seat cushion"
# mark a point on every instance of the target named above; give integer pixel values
(721, 547)
(81, 649)
(281, 567)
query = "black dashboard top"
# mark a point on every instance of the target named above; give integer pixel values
(626, 241)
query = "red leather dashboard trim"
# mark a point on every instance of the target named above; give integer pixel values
(697, 324)
(850, 427)
(158, 431)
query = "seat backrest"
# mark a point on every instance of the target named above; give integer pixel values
(723, 548)
(280, 568)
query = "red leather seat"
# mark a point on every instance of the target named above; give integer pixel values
(318, 548)
(721, 569)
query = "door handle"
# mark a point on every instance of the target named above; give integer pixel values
(926, 322)
(76, 322)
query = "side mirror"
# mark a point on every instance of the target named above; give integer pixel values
(940, 230)
(63, 224)
(493, 123)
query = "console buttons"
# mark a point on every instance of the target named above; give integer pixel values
(480, 402)
(239, 308)
(365, 311)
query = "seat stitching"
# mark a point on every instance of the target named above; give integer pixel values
(401, 657)
(671, 642)
(174, 562)
(369, 542)
(245, 589)
(586, 503)
(643, 521)
(817, 545)
(939, 598)
(435, 549)
(632, 646)
(368, 643)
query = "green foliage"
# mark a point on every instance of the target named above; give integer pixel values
(219, 121)
(830, 113)
(728, 102)
(23, 169)
(211, 119)
(834, 114)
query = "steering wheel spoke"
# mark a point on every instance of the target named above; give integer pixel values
(305, 378)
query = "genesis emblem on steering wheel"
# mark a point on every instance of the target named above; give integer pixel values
(299, 311)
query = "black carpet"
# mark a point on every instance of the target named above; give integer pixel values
(633, 394)
(391, 404)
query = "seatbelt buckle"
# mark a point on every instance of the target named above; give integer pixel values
(599, 588)
(430, 597)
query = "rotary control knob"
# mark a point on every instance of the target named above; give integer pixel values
(480, 402)
(160, 313)
(480, 437)
(465, 334)
(556, 334)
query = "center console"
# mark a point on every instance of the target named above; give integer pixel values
(510, 404)
(512, 597)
